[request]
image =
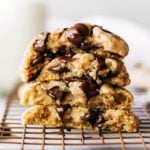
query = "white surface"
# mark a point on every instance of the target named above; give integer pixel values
(20, 22)
(136, 10)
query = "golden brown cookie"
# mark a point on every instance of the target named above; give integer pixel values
(73, 93)
(67, 44)
(78, 117)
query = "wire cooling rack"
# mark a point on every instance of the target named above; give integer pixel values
(13, 135)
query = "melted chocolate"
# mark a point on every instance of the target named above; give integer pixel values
(88, 46)
(89, 87)
(60, 68)
(64, 55)
(48, 54)
(77, 34)
(62, 109)
(109, 75)
(57, 93)
(40, 44)
(94, 116)
(37, 60)
(34, 75)
(63, 50)
(67, 56)
(101, 62)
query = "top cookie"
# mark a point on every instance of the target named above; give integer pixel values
(78, 39)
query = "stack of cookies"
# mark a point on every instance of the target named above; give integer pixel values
(75, 78)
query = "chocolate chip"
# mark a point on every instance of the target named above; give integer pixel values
(99, 119)
(37, 60)
(62, 109)
(40, 44)
(56, 93)
(60, 68)
(101, 61)
(64, 54)
(90, 88)
(109, 75)
(74, 37)
(34, 75)
(77, 34)
(82, 29)
(48, 54)
(91, 116)
(65, 59)
(94, 116)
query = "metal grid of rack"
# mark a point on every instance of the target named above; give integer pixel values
(14, 135)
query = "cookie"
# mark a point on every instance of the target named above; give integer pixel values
(75, 78)
(79, 117)
(76, 93)
(52, 55)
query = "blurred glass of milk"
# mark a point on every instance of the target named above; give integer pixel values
(20, 22)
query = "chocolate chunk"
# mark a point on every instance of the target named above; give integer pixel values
(62, 109)
(56, 93)
(94, 116)
(65, 54)
(88, 46)
(67, 57)
(108, 76)
(77, 34)
(101, 61)
(48, 54)
(99, 120)
(40, 44)
(63, 50)
(90, 88)
(34, 75)
(91, 116)
(74, 37)
(37, 60)
(60, 68)
(82, 29)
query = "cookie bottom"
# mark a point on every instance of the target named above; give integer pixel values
(79, 117)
